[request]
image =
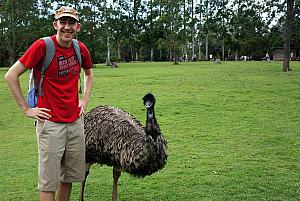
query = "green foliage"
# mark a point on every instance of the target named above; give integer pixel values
(132, 28)
(232, 132)
(152, 30)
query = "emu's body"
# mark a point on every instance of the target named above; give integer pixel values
(115, 138)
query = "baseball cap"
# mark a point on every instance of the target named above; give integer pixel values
(65, 11)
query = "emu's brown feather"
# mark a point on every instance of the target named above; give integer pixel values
(115, 138)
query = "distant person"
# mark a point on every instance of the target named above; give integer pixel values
(59, 128)
(182, 58)
(194, 58)
(267, 57)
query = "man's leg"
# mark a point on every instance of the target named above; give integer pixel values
(49, 134)
(64, 191)
(46, 196)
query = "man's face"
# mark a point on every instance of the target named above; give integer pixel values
(66, 28)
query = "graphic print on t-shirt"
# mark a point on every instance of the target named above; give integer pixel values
(67, 65)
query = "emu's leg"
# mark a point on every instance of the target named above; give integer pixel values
(116, 175)
(87, 171)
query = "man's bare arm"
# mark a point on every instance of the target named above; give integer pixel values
(13, 82)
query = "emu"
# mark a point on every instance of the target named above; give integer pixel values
(116, 138)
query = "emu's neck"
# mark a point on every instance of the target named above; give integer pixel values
(152, 127)
(150, 114)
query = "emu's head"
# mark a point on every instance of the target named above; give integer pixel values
(149, 101)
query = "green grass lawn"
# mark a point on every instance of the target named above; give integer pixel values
(233, 132)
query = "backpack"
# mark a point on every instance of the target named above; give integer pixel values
(35, 88)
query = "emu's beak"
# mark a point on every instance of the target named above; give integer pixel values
(148, 104)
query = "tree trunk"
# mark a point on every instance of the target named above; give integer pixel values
(200, 45)
(206, 47)
(193, 30)
(223, 50)
(131, 52)
(199, 37)
(160, 54)
(152, 53)
(136, 55)
(287, 35)
(151, 34)
(119, 52)
(12, 49)
(236, 55)
(108, 52)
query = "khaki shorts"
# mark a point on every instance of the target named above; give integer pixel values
(61, 150)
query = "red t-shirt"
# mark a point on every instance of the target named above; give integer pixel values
(60, 84)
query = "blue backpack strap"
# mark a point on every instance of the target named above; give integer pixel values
(31, 98)
(50, 52)
(77, 50)
(78, 55)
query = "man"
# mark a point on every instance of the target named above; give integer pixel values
(59, 124)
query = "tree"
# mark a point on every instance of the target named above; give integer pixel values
(155, 29)
(174, 9)
(199, 11)
(18, 20)
(287, 35)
